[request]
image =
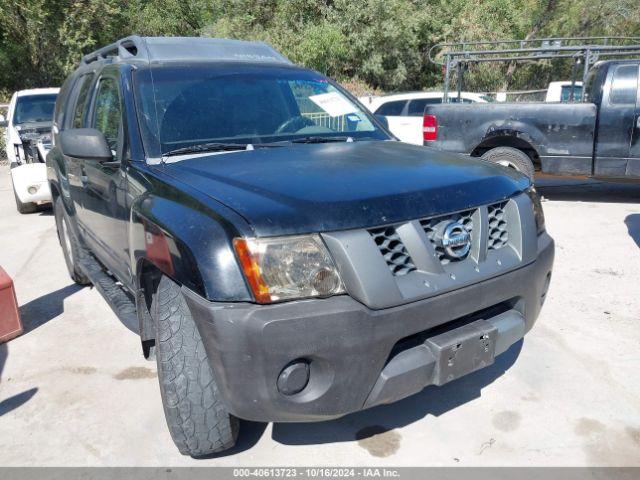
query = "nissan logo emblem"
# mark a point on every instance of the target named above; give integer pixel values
(456, 240)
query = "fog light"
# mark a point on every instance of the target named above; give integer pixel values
(294, 377)
(33, 189)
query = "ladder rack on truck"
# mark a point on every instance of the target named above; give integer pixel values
(583, 50)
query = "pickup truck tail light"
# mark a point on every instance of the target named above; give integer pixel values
(429, 128)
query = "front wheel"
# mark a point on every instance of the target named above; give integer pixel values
(512, 158)
(198, 421)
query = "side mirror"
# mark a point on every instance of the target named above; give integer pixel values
(3, 122)
(383, 120)
(87, 143)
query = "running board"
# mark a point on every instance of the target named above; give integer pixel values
(120, 302)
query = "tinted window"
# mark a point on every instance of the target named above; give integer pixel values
(624, 89)
(34, 108)
(391, 108)
(593, 88)
(81, 101)
(179, 108)
(416, 107)
(106, 117)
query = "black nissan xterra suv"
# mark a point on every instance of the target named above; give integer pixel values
(281, 255)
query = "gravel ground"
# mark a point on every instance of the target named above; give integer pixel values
(75, 390)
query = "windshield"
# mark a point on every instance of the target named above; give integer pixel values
(34, 108)
(181, 107)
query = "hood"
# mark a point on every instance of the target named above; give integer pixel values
(338, 186)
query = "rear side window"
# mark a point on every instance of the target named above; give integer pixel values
(391, 108)
(624, 88)
(81, 101)
(416, 107)
(107, 117)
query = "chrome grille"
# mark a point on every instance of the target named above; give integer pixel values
(393, 250)
(434, 226)
(497, 235)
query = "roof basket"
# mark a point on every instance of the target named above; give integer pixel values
(583, 50)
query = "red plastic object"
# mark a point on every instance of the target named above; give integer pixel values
(429, 128)
(10, 324)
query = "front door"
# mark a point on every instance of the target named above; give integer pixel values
(616, 121)
(104, 214)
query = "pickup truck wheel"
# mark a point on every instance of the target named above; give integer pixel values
(512, 158)
(198, 421)
(71, 248)
(28, 207)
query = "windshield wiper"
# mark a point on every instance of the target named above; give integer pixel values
(318, 139)
(207, 147)
(218, 147)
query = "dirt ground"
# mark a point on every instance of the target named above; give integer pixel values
(75, 390)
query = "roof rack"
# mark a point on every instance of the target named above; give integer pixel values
(167, 49)
(583, 50)
(124, 48)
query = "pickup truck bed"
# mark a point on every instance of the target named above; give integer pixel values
(561, 134)
(600, 137)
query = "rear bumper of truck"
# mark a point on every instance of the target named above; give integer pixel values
(348, 357)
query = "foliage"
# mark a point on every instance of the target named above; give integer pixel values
(381, 44)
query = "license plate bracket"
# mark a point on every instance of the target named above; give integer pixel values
(463, 350)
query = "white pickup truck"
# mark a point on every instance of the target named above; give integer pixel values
(28, 139)
(404, 111)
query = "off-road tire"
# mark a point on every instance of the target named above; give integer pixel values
(28, 207)
(72, 249)
(198, 421)
(512, 158)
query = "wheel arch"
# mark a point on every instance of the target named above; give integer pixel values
(508, 138)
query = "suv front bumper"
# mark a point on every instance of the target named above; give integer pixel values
(358, 357)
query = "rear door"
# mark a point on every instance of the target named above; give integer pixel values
(76, 117)
(412, 125)
(394, 111)
(104, 212)
(616, 121)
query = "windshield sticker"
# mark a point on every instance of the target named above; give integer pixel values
(333, 103)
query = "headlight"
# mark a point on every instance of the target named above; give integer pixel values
(287, 267)
(537, 209)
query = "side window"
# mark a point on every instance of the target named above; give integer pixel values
(391, 108)
(80, 107)
(624, 87)
(106, 111)
(416, 107)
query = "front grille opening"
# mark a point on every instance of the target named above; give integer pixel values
(393, 250)
(433, 228)
(419, 338)
(497, 234)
